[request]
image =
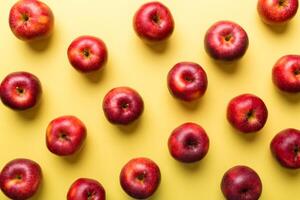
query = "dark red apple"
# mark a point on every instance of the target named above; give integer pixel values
(276, 12)
(87, 53)
(226, 40)
(286, 73)
(86, 189)
(140, 178)
(241, 183)
(122, 105)
(188, 143)
(20, 90)
(153, 22)
(65, 135)
(285, 146)
(20, 179)
(31, 20)
(187, 81)
(247, 113)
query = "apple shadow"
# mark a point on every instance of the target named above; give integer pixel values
(158, 47)
(39, 194)
(248, 137)
(130, 128)
(40, 45)
(278, 29)
(31, 114)
(293, 98)
(96, 76)
(192, 105)
(75, 158)
(228, 67)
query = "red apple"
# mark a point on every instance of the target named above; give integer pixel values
(86, 189)
(187, 81)
(31, 20)
(20, 90)
(226, 41)
(122, 105)
(241, 183)
(247, 113)
(140, 178)
(285, 146)
(20, 179)
(188, 143)
(65, 135)
(87, 53)
(286, 73)
(153, 22)
(276, 12)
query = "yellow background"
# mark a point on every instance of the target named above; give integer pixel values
(132, 63)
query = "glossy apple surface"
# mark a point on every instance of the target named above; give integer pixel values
(20, 90)
(31, 20)
(187, 81)
(87, 53)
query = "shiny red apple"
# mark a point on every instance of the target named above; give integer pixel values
(65, 135)
(286, 73)
(187, 81)
(140, 178)
(122, 105)
(20, 179)
(285, 146)
(20, 90)
(247, 113)
(276, 12)
(87, 53)
(241, 183)
(188, 143)
(226, 40)
(31, 20)
(153, 22)
(86, 189)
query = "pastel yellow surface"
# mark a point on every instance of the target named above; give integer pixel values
(132, 63)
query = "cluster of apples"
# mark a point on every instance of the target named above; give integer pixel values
(187, 81)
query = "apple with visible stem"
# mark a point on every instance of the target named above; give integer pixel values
(31, 20)
(140, 178)
(286, 73)
(20, 90)
(187, 81)
(20, 179)
(87, 53)
(226, 41)
(277, 12)
(247, 113)
(241, 183)
(153, 22)
(86, 189)
(285, 146)
(65, 135)
(122, 105)
(188, 143)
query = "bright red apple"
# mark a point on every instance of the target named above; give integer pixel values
(286, 73)
(20, 90)
(122, 105)
(188, 143)
(241, 183)
(247, 113)
(86, 189)
(285, 146)
(140, 178)
(276, 12)
(31, 20)
(87, 53)
(226, 40)
(187, 81)
(20, 179)
(153, 22)
(65, 135)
